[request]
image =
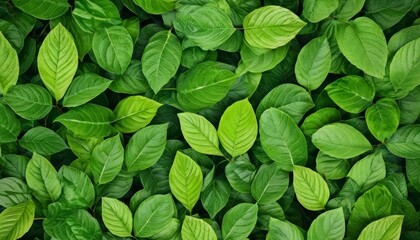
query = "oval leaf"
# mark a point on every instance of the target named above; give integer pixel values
(328, 225)
(383, 118)
(282, 230)
(368, 171)
(9, 70)
(239, 221)
(194, 228)
(405, 142)
(42, 140)
(17, 220)
(269, 184)
(117, 217)
(384, 228)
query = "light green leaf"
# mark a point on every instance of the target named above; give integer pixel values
(77, 188)
(329, 225)
(9, 70)
(134, 112)
(383, 118)
(368, 171)
(194, 228)
(17, 220)
(85, 88)
(43, 141)
(107, 160)
(42, 178)
(282, 230)
(9, 126)
(203, 85)
(113, 49)
(311, 189)
(318, 119)
(269, 184)
(145, 147)
(317, 10)
(57, 61)
(238, 128)
(340, 140)
(257, 63)
(185, 180)
(363, 43)
(384, 228)
(199, 133)
(94, 15)
(313, 63)
(282, 139)
(156, 6)
(330, 167)
(43, 9)
(88, 121)
(387, 13)
(348, 9)
(117, 217)
(215, 196)
(405, 142)
(13, 191)
(271, 27)
(161, 59)
(239, 221)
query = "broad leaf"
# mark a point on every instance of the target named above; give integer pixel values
(215, 196)
(330, 167)
(384, 228)
(383, 118)
(94, 15)
(171, 231)
(405, 142)
(269, 184)
(194, 228)
(43, 141)
(328, 225)
(43, 9)
(77, 188)
(156, 6)
(17, 220)
(401, 38)
(9, 126)
(13, 191)
(283, 230)
(239, 221)
(117, 217)
(9, 70)
(317, 10)
(318, 119)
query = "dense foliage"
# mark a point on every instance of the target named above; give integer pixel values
(209, 119)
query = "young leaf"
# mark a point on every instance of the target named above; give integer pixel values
(185, 180)
(269, 184)
(43, 141)
(238, 128)
(282, 139)
(156, 6)
(405, 142)
(57, 61)
(77, 188)
(239, 221)
(310, 188)
(13, 191)
(17, 220)
(317, 10)
(43, 9)
(384, 228)
(9, 125)
(283, 230)
(94, 15)
(194, 228)
(383, 118)
(117, 217)
(9, 70)
(329, 225)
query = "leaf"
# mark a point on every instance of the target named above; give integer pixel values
(318, 119)
(240, 173)
(384, 228)
(215, 196)
(328, 225)
(94, 15)
(412, 167)
(239, 221)
(14, 165)
(113, 49)
(156, 6)
(203, 85)
(107, 160)
(348, 9)
(351, 93)
(402, 37)
(387, 13)
(311, 189)
(77, 188)
(117, 217)
(42, 140)
(161, 59)
(43, 9)
(269, 184)
(271, 27)
(185, 180)
(405, 142)
(13, 191)
(145, 147)
(132, 81)
(194, 228)
(9, 126)
(171, 231)
(152, 215)
(199, 133)
(317, 10)
(17, 220)
(57, 61)
(42, 178)
(282, 139)
(9, 70)
(134, 113)
(29, 101)
(363, 43)
(383, 118)
(283, 230)
(330, 167)
(85, 88)
(238, 128)
(88, 120)
(313, 63)
(340, 140)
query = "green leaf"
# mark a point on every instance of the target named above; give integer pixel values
(401, 38)
(405, 142)
(145, 147)
(328, 225)
(348, 9)
(152, 215)
(269, 184)
(203, 85)
(171, 231)
(13, 191)
(387, 13)
(383, 118)
(215, 196)
(107, 160)
(185, 180)
(313, 63)
(29, 101)
(238, 128)
(311, 189)
(351, 93)
(384, 228)
(85, 88)
(14, 165)
(208, 26)
(199, 133)
(42, 140)
(363, 43)
(17, 220)
(271, 27)
(132, 81)
(317, 10)
(156, 6)
(239, 221)
(340, 140)
(330, 167)
(412, 169)
(57, 61)
(282, 139)
(283, 230)
(9, 70)
(113, 49)
(161, 59)
(240, 173)
(117, 217)
(88, 120)
(77, 188)
(318, 119)
(43, 9)
(94, 15)
(194, 228)
(42, 178)
(134, 113)
(9, 126)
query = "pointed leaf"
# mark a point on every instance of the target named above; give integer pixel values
(43, 9)
(42, 140)
(383, 118)
(384, 228)
(329, 225)
(405, 142)
(239, 221)
(17, 220)
(194, 228)
(9, 125)
(269, 184)
(9, 70)
(117, 217)
(215, 196)
(282, 230)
